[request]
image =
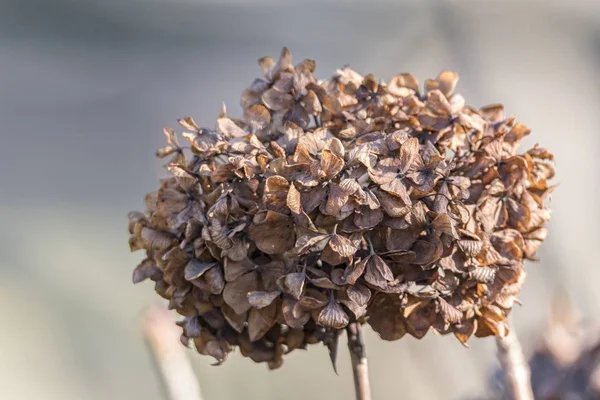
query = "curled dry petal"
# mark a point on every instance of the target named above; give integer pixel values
(195, 268)
(146, 269)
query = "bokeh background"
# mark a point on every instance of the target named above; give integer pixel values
(85, 88)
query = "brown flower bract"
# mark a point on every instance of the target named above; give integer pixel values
(343, 200)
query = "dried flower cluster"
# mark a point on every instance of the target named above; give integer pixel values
(343, 200)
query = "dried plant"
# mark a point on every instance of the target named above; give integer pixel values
(343, 201)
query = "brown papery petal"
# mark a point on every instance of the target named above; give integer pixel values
(450, 313)
(337, 277)
(293, 284)
(360, 294)
(442, 223)
(297, 115)
(294, 200)
(229, 129)
(409, 151)
(258, 299)
(312, 103)
(396, 188)
(274, 234)
(236, 321)
(187, 123)
(367, 218)
(195, 268)
(446, 82)
(235, 269)
(313, 299)
(307, 242)
(336, 199)
(292, 314)
(260, 321)
(426, 252)
(342, 245)
(215, 280)
(518, 215)
(331, 164)
(470, 247)
(146, 269)
(276, 100)
(392, 205)
(333, 316)
(385, 317)
(324, 282)
(404, 85)
(354, 271)
(465, 330)
(378, 272)
(419, 321)
(156, 240)
(235, 293)
(257, 117)
(266, 63)
(275, 194)
(312, 198)
(336, 147)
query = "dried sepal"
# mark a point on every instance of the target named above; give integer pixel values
(333, 316)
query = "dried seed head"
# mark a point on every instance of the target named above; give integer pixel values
(343, 200)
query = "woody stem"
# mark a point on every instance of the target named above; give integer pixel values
(516, 367)
(358, 357)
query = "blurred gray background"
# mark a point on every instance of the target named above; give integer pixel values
(85, 88)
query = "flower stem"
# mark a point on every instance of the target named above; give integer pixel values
(516, 368)
(358, 357)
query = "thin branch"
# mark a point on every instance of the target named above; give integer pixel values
(174, 368)
(358, 357)
(516, 367)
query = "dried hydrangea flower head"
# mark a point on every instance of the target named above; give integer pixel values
(343, 200)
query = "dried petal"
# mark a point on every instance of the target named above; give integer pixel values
(260, 321)
(229, 129)
(378, 272)
(333, 316)
(342, 245)
(293, 284)
(195, 268)
(258, 299)
(235, 293)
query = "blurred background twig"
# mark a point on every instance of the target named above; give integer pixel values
(515, 366)
(172, 364)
